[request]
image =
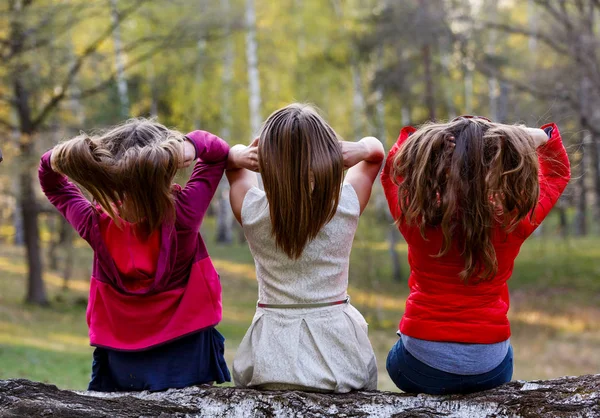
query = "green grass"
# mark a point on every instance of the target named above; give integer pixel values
(555, 312)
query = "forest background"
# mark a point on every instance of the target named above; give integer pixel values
(371, 66)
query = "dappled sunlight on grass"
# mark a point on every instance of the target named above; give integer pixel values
(8, 266)
(557, 322)
(245, 271)
(24, 335)
(379, 246)
(237, 315)
(43, 342)
(376, 300)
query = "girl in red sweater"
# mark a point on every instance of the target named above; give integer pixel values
(465, 195)
(155, 297)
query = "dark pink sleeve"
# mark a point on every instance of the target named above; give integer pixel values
(194, 199)
(389, 188)
(555, 173)
(67, 198)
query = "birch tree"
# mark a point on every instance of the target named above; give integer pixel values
(119, 59)
(254, 97)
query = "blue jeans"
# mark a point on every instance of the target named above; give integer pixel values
(414, 376)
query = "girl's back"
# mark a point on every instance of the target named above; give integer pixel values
(305, 334)
(155, 296)
(320, 274)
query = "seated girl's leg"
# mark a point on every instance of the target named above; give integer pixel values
(102, 380)
(494, 378)
(413, 376)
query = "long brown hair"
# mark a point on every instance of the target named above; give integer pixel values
(301, 164)
(129, 168)
(486, 176)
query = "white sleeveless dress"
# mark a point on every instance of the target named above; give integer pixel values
(317, 348)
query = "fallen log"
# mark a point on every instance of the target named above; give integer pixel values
(564, 397)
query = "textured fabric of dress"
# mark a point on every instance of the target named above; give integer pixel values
(321, 349)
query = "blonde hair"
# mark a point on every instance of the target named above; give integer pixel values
(132, 164)
(486, 176)
(301, 164)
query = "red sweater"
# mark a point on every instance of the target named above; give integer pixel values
(144, 293)
(440, 307)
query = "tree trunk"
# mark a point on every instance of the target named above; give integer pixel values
(595, 172)
(358, 101)
(581, 204)
(19, 238)
(493, 88)
(52, 253)
(428, 79)
(67, 233)
(563, 225)
(393, 234)
(254, 99)
(468, 80)
(225, 218)
(565, 397)
(36, 292)
(119, 60)
(503, 102)
(445, 51)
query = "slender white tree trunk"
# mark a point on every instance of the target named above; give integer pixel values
(201, 48)
(225, 220)
(445, 51)
(254, 99)
(358, 101)
(468, 76)
(119, 60)
(493, 88)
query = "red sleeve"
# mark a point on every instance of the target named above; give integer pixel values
(555, 173)
(67, 198)
(389, 188)
(194, 199)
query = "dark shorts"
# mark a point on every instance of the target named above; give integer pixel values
(192, 360)
(413, 376)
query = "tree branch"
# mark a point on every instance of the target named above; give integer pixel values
(93, 47)
(533, 34)
(7, 124)
(165, 42)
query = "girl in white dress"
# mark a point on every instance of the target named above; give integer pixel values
(305, 334)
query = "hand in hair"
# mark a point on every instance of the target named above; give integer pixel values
(540, 137)
(368, 149)
(189, 153)
(241, 156)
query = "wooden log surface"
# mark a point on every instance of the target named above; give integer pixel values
(564, 397)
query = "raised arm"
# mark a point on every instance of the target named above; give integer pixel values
(66, 197)
(387, 180)
(554, 175)
(241, 168)
(363, 160)
(211, 155)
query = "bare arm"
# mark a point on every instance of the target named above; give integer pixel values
(363, 160)
(242, 166)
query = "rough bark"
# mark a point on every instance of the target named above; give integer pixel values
(565, 397)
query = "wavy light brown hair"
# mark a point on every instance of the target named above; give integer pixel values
(488, 179)
(127, 169)
(300, 160)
